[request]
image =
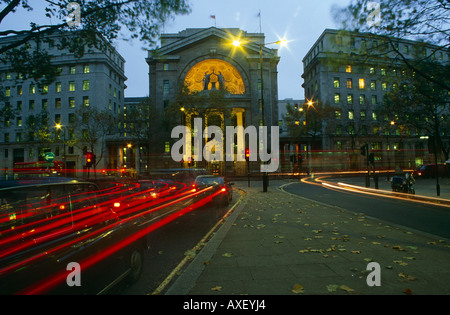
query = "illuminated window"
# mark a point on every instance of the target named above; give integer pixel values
(373, 85)
(234, 83)
(336, 83)
(32, 89)
(351, 115)
(362, 84)
(85, 85)
(348, 69)
(45, 89)
(350, 99)
(337, 98)
(71, 86)
(72, 70)
(362, 99)
(58, 87)
(86, 69)
(349, 83)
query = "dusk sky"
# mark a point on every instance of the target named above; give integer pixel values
(301, 22)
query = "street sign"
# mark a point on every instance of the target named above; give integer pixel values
(49, 157)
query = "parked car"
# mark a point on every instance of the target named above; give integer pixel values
(219, 184)
(45, 225)
(429, 170)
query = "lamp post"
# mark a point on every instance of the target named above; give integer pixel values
(283, 42)
(60, 127)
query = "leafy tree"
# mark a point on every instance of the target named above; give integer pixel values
(420, 105)
(141, 18)
(91, 127)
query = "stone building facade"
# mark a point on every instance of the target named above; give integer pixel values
(205, 61)
(96, 80)
(350, 73)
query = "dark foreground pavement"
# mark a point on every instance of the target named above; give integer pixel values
(276, 243)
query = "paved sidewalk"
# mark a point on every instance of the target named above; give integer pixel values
(279, 244)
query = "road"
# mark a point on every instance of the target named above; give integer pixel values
(169, 246)
(422, 217)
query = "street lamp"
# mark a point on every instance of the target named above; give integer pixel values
(59, 127)
(282, 42)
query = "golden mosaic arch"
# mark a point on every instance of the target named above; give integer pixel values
(233, 81)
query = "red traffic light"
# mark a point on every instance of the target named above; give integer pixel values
(247, 153)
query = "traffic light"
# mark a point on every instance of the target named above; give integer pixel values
(300, 158)
(90, 159)
(247, 154)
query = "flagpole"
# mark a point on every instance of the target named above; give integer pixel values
(260, 28)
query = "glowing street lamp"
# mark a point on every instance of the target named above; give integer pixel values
(282, 43)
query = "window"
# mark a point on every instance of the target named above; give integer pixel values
(86, 69)
(19, 121)
(373, 85)
(384, 86)
(57, 118)
(374, 116)
(363, 115)
(350, 99)
(71, 102)
(72, 70)
(44, 104)
(7, 91)
(58, 87)
(86, 101)
(71, 118)
(166, 86)
(372, 70)
(338, 114)
(18, 137)
(19, 90)
(19, 105)
(85, 85)
(31, 105)
(167, 147)
(351, 114)
(349, 83)
(374, 100)
(166, 67)
(32, 89)
(45, 89)
(362, 99)
(336, 83)
(348, 69)
(362, 84)
(337, 98)
(72, 86)
(58, 103)
(383, 71)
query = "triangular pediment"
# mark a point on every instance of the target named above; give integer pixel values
(174, 43)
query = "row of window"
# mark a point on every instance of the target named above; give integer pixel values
(361, 84)
(350, 99)
(45, 106)
(352, 129)
(59, 71)
(32, 88)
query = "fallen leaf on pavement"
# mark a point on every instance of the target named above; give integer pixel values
(298, 288)
(346, 288)
(217, 288)
(332, 287)
(227, 255)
